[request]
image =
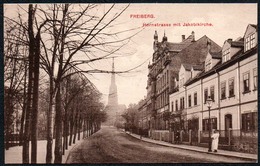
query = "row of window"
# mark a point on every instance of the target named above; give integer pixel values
(249, 122)
(162, 99)
(163, 81)
(231, 86)
(231, 90)
(182, 102)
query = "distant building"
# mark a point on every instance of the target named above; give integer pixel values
(113, 109)
(164, 74)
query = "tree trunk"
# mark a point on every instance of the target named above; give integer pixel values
(35, 99)
(24, 108)
(30, 88)
(50, 127)
(65, 136)
(75, 127)
(79, 128)
(58, 125)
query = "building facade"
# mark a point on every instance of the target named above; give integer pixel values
(229, 77)
(163, 74)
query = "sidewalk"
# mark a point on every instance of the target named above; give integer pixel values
(14, 154)
(199, 149)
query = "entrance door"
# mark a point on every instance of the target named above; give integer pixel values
(228, 123)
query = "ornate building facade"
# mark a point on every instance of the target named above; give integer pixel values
(163, 74)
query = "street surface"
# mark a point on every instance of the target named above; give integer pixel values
(110, 145)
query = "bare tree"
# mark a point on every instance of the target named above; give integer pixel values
(66, 37)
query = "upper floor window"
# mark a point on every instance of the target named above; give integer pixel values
(176, 105)
(205, 95)
(212, 96)
(250, 41)
(182, 103)
(246, 82)
(223, 90)
(189, 98)
(255, 78)
(181, 82)
(226, 55)
(208, 65)
(195, 98)
(231, 83)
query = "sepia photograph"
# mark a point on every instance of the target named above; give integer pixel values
(118, 83)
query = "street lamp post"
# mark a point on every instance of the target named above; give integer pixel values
(209, 101)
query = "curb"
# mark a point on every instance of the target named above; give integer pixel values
(195, 150)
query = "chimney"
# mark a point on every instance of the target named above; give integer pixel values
(183, 37)
(229, 40)
(193, 36)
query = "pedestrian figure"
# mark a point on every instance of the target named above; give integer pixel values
(177, 137)
(214, 138)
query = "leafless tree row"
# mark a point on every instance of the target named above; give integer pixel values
(58, 42)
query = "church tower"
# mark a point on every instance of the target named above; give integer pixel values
(112, 97)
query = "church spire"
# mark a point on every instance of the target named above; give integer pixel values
(112, 97)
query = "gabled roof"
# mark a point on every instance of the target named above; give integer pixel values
(252, 25)
(187, 66)
(237, 44)
(176, 47)
(199, 67)
(197, 51)
(216, 55)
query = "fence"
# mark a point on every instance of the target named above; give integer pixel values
(13, 140)
(235, 140)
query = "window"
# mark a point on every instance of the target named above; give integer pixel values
(231, 87)
(167, 76)
(212, 93)
(226, 55)
(223, 90)
(246, 82)
(182, 103)
(181, 82)
(189, 100)
(255, 78)
(172, 106)
(247, 43)
(205, 95)
(208, 65)
(250, 41)
(195, 98)
(176, 105)
(249, 121)
(205, 124)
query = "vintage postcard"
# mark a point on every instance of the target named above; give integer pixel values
(130, 83)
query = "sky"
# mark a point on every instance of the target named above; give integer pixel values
(228, 21)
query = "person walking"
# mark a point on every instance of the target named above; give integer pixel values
(177, 137)
(215, 139)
